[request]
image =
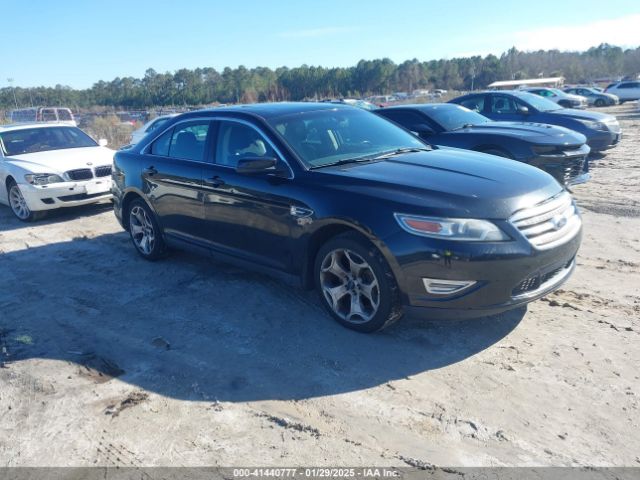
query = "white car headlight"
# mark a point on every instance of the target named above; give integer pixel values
(43, 178)
(460, 229)
(594, 125)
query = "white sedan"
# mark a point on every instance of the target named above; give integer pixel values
(48, 166)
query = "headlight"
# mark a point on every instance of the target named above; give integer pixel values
(459, 229)
(542, 149)
(43, 178)
(594, 125)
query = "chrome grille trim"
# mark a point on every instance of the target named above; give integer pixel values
(550, 223)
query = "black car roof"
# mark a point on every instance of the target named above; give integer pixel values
(270, 110)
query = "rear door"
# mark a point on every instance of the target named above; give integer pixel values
(172, 177)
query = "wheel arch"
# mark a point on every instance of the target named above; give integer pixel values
(333, 228)
(129, 197)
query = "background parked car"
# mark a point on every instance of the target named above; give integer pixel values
(625, 91)
(558, 151)
(47, 166)
(42, 114)
(593, 96)
(149, 127)
(556, 95)
(336, 197)
(602, 130)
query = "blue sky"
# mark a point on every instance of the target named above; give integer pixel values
(77, 43)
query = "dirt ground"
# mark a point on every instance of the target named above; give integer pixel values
(110, 360)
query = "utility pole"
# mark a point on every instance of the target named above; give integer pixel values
(15, 100)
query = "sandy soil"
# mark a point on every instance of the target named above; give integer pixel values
(110, 360)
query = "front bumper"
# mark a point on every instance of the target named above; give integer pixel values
(66, 194)
(602, 140)
(507, 274)
(568, 166)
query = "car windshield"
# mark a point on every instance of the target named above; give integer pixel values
(327, 136)
(539, 103)
(453, 117)
(31, 140)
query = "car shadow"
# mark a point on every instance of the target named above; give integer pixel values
(190, 328)
(8, 221)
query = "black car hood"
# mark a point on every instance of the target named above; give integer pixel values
(449, 181)
(538, 133)
(582, 114)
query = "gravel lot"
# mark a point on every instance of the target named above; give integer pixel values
(110, 360)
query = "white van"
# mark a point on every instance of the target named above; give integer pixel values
(43, 114)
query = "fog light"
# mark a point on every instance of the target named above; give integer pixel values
(437, 286)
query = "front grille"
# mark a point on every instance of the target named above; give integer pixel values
(81, 196)
(572, 169)
(103, 171)
(550, 223)
(80, 174)
(534, 282)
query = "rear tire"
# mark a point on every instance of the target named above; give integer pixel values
(356, 284)
(19, 206)
(144, 231)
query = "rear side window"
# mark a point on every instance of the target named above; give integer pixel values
(161, 145)
(629, 85)
(185, 141)
(474, 103)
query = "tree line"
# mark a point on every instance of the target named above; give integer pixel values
(204, 86)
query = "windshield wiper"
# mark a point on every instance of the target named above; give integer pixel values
(466, 125)
(400, 151)
(374, 157)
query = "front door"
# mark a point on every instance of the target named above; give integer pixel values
(247, 216)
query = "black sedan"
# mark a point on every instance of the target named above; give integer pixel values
(338, 198)
(602, 130)
(556, 150)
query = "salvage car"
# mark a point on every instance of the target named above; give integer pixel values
(625, 91)
(593, 96)
(602, 131)
(558, 151)
(338, 198)
(564, 99)
(48, 166)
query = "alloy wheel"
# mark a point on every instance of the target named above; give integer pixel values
(142, 230)
(350, 286)
(18, 203)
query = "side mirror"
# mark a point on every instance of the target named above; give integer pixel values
(422, 130)
(253, 166)
(522, 110)
(103, 142)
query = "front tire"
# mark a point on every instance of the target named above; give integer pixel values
(144, 231)
(356, 284)
(19, 205)
(599, 103)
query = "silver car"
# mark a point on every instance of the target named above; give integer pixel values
(593, 96)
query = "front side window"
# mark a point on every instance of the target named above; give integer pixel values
(237, 141)
(31, 140)
(502, 105)
(322, 137)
